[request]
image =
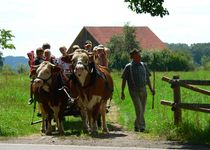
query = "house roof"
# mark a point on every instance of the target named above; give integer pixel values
(147, 39)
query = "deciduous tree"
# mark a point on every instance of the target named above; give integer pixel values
(153, 7)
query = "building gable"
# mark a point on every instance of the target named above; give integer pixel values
(102, 35)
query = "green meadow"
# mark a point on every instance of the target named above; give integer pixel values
(16, 114)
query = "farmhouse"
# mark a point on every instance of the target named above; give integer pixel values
(101, 35)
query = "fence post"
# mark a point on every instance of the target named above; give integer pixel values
(177, 100)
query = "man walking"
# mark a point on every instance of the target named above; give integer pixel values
(137, 76)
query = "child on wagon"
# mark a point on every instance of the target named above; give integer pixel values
(38, 60)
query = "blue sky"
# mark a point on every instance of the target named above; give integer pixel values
(58, 22)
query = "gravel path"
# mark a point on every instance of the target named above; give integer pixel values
(117, 138)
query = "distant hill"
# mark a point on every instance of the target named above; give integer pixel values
(14, 61)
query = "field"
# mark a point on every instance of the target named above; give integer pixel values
(16, 114)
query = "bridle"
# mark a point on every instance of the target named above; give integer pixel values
(86, 66)
(45, 81)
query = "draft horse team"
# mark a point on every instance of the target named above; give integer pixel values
(89, 86)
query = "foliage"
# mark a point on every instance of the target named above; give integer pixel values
(165, 60)
(178, 47)
(159, 121)
(153, 7)
(119, 60)
(168, 61)
(130, 41)
(6, 37)
(121, 45)
(197, 50)
(206, 66)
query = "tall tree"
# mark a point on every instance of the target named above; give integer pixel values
(153, 7)
(121, 45)
(130, 41)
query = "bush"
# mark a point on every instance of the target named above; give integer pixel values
(159, 61)
(119, 60)
(168, 61)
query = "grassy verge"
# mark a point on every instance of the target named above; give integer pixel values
(195, 126)
(16, 114)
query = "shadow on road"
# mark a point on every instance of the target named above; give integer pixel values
(75, 127)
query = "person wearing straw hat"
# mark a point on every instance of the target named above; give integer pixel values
(102, 56)
(88, 46)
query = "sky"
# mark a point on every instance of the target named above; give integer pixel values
(58, 22)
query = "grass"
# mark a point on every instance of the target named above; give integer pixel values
(16, 114)
(195, 126)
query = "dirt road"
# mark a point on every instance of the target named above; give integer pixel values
(117, 138)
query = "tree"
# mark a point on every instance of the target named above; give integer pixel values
(121, 45)
(199, 50)
(118, 57)
(153, 7)
(130, 41)
(5, 37)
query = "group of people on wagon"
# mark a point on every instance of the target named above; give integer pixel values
(43, 53)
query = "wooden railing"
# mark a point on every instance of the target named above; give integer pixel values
(177, 105)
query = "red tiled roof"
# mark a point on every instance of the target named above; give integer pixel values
(147, 39)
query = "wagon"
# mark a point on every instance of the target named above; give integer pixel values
(71, 110)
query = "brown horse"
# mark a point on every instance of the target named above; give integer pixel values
(92, 85)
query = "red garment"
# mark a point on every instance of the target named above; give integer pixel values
(31, 61)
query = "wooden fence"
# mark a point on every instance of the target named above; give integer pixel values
(177, 105)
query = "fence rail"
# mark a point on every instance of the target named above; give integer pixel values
(177, 105)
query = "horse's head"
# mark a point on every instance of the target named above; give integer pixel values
(80, 61)
(44, 74)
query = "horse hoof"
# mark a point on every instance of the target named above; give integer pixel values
(94, 133)
(106, 131)
(48, 133)
(62, 133)
(86, 131)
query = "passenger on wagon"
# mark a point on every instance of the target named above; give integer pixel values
(39, 56)
(88, 46)
(30, 59)
(38, 60)
(65, 66)
(49, 57)
(101, 56)
(46, 46)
